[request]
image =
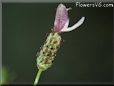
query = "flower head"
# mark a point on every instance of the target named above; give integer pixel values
(62, 20)
(48, 51)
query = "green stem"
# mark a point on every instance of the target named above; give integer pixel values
(37, 77)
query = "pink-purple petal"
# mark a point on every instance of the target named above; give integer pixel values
(61, 18)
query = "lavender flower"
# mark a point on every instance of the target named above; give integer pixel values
(48, 51)
(62, 20)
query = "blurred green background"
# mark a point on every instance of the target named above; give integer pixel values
(85, 56)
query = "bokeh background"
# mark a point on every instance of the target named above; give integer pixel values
(85, 56)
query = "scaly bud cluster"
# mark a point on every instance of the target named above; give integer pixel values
(48, 51)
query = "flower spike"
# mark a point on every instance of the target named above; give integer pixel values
(48, 52)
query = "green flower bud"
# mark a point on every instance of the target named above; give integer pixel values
(48, 51)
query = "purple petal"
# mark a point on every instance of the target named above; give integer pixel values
(80, 22)
(61, 18)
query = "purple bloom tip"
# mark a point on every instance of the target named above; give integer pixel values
(62, 20)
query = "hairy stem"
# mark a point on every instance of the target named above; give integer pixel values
(37, 77)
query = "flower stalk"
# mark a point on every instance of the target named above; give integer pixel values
(37, 77)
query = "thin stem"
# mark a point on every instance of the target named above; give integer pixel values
(37, 77)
